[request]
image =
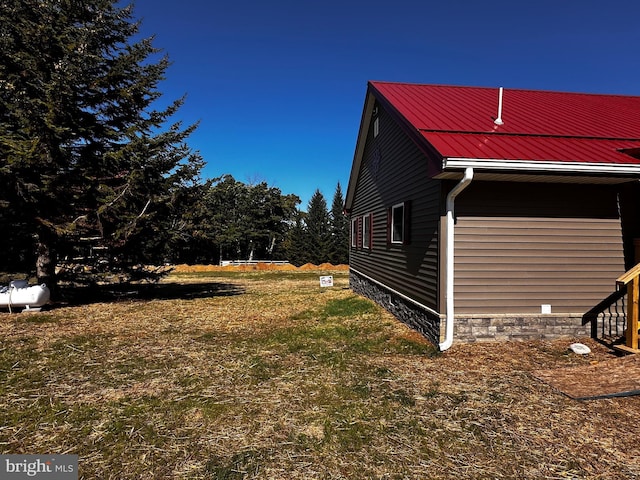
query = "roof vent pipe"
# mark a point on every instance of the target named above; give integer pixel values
(498, 121)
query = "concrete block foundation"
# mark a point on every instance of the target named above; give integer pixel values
(407, 312)
(471, 328)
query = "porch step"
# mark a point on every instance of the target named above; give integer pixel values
(625, 349)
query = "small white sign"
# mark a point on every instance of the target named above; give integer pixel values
(326, 281)
(545, 308)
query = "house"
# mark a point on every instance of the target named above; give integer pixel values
(483, 213)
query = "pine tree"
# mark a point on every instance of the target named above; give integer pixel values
(85, 159)
(339, 245)
(295, 244)
(317, 229)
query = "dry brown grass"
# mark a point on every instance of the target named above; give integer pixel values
(265, 375)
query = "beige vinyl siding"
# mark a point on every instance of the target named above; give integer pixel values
(516, 264)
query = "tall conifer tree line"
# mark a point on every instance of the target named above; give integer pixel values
(93, 174)
(236, 221)
(320, 235)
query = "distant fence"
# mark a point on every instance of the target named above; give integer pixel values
(235, 263)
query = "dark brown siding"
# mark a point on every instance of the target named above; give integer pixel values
(630, 211)
(394, 171)
(521, 246)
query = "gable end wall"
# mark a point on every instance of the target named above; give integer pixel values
(393, 171)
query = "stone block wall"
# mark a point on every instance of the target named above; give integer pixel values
(407, 312)
(477, 328)
(483, 328)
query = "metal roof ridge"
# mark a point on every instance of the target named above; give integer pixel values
(512, 89)
(437, 85)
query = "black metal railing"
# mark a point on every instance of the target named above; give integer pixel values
(608, 319)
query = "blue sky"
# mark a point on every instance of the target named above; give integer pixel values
(278, 86)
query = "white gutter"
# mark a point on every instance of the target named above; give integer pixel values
(547, 166)
(449, 254)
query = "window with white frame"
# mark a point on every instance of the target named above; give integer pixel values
(397, 223)
(354, 232)
(366, 231)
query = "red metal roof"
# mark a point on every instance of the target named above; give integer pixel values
(530, 148)
(538, 125)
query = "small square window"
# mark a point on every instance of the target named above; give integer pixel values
(397, 223)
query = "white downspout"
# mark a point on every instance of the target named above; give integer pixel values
(449, 254)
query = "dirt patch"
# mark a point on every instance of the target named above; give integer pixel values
(258, 266)
(612, 378)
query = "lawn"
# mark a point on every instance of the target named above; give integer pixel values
(266, 375)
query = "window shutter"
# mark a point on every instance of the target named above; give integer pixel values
(354, 233)
(371, 231)
(389, 226)
(359, 245)
(406, 238)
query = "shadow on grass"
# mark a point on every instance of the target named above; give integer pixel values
(83, 295)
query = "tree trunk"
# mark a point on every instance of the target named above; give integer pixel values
(46, 260)
(272, 245)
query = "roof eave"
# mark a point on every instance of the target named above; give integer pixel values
(367, 113)
(541, 166)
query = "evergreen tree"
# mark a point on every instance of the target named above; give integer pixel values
(339, 245)
(187, 220)
(295, 244)
(84, 157)
(318, 233)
